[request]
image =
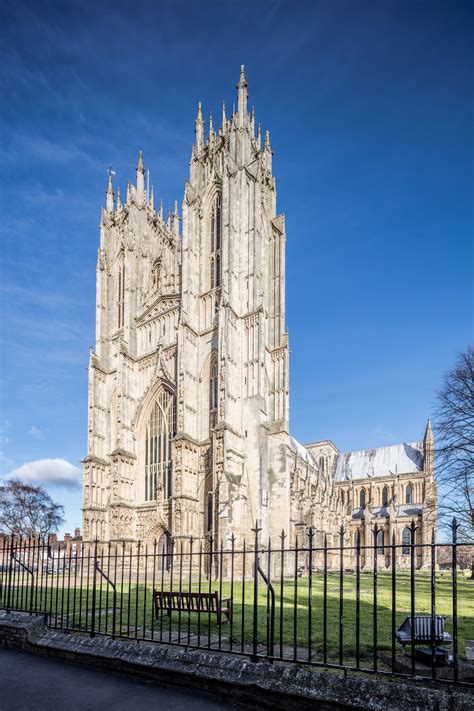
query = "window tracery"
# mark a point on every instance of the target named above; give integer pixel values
(160, 430)
(215, 252)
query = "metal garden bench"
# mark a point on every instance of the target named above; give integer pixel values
(198, 602)
(422, 635)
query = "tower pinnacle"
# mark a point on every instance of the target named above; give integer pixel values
(428, 433)
(140, 179)
(110, 194)
(242, 93)
(175, 219)
(224, 118)
(199, 128)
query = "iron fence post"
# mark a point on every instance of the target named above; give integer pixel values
(454, 528)
(94, 591)
(256, 531)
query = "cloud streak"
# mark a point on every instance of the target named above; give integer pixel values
(48, 472)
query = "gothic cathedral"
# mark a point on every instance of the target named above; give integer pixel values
(188, 418)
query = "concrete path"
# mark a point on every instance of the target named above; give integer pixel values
(31, 683)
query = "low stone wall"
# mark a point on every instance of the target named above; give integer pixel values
(263, 686)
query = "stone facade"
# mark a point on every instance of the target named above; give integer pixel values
(188, 420)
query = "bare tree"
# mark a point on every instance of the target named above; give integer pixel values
(28, 510)
(454, 430)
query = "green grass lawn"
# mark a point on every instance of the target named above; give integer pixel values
(133, 611)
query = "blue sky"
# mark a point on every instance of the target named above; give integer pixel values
(369, 107)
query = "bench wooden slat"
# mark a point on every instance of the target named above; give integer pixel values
(175, 601)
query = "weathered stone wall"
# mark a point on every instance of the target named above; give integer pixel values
(260, 686)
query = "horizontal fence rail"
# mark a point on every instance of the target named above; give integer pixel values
(366, 608)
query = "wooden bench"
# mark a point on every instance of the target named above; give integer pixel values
(198, 602)
(422, 634)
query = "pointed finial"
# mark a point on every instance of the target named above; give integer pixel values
(152, 198)
(259, 138)
(242, 79)
(128, 191)
(110, 193)
(428, 432)
(199, 128)
(175, 219)
(267, 141)
(119, 201)
(224, 119)
(168, 221)
(211, 128)
(161, 209)
(242, 95)
(140, 180)
(252, 120)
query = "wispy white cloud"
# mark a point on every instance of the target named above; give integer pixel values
(36, 432)
(53, 472)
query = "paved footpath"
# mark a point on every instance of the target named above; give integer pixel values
(31, 683)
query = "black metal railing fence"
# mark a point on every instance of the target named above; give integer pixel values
(333, 606)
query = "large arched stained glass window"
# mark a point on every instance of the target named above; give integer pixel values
(160, 430)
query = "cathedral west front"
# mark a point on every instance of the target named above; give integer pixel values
(188, 415)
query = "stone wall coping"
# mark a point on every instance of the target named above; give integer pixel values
(255, 685)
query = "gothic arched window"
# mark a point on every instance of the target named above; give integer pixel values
(409, 494)
(406, 541)
(322, 465)
(362, 499)
(120, 292)
(385, 496)
(160, 430)
(216, 232)
(380, 543)
(155, 274)
(214, 385)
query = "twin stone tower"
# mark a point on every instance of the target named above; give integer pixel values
(188, 418)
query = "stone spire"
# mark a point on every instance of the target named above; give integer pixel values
(119, 201)
(161, 209)
(199, 128)
(140, 179)
(224, 119)
(259, 138)
(252, 121)
(127, 199)
(242, 94)
(110, 194)
(428, 449)
(266, 146)
(429, 437)
(175, 219)
(152, 198)
(211, 127)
